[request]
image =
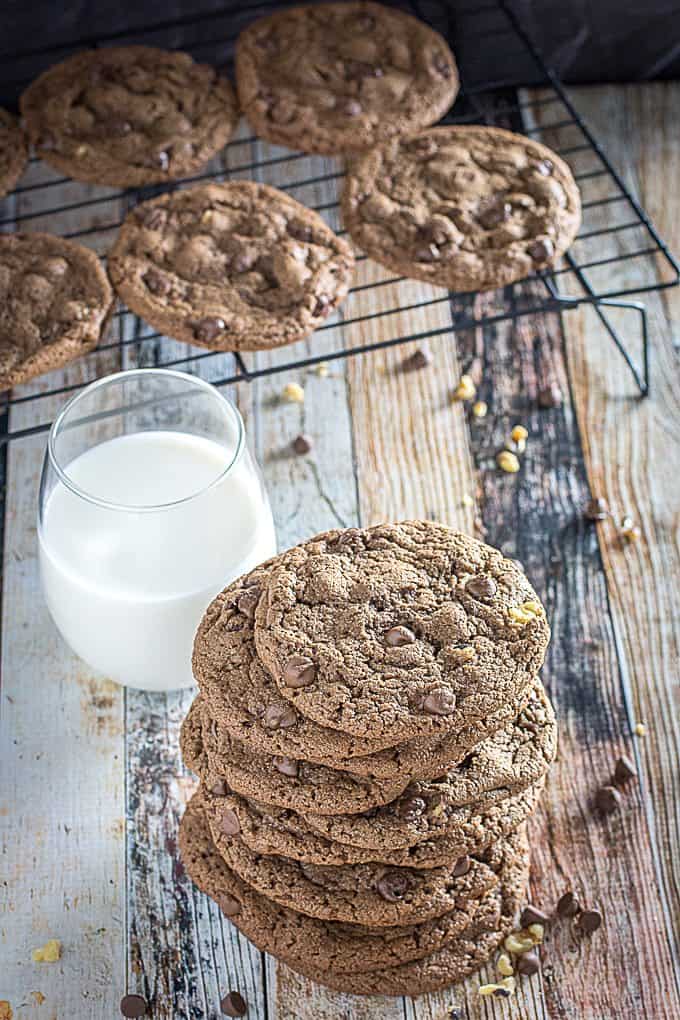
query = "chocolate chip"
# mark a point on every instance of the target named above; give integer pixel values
(494, 213)
(219, 788)
(302, 444)
(322, 306)
(299, 230)
(624, 770)
(596, 509)
(419, 359)
(287, 767)
(567, 905)
(528, 963)
(428, 253)
(550, 396)
(133, 1006)
(439, 703)
(541, 250)
(156, 282)
(532, 915)
(589, 921)
(233, 1004)
(351, 108)
(411, 808)
(545, 167)
(423, 147)
(247, 602)
(118, 128)
(299, 672)
(395, 637)
(481, 587)
(394, 885)
(153, 218)
(276, 717)
(243, 261)
(209, 329)
(229, 905)
(607, 800)
(230, 823)
(442, 65)
(461, 867)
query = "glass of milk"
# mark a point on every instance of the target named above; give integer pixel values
(150, 503)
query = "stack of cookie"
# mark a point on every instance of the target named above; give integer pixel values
(370, 735)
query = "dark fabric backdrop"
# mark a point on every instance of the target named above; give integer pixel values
(585, 40)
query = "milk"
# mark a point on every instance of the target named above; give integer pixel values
(127, 587)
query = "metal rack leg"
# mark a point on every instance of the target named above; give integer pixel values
(641, 378)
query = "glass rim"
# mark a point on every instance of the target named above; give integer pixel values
(114, 377)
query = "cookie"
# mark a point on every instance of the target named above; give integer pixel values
(236, 266)
(55, 303)
(289, 934)
(269, 830)
(129, 116)
(242, 699)
(399, 630)
(13, 152)
(340, 77)
(369, 893)
(300, 785)
(468, 208)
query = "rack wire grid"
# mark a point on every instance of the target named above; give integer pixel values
(615, 232)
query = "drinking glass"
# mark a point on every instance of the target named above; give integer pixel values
(150, 503)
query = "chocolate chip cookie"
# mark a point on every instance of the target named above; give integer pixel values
(237, 266)
(339, 77)
(242, 699)
(341, 947)
(129, 116)
(13, 152)
(270, 830)
(468, 208)
(55, 302)
(399, 630)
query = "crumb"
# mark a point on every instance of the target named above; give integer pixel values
(49, 953)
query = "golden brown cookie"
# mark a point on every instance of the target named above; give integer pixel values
(13, 152)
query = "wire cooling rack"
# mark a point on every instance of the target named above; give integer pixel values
(616, 232)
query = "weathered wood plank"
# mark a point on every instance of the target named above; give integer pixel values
(61, 734)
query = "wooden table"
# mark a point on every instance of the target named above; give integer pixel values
(92, 787)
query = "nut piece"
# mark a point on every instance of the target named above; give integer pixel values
(596, 509)
(507, 461)
(498, 990)
(518, 943)
(466, 389)
(293, 393)
(480, 408)
(49, 953)
(524, 614)
(504, 965)
(519, 434)
(630, 532)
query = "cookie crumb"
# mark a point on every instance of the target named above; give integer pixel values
(596, 509)
(480, 408)
(37, 997)
(293, 393)
(466, 389)
(49, 953)
(508, 462)
(467, 500)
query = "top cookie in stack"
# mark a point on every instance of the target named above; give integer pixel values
(370, 727)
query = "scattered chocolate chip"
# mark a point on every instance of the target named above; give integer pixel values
(528, 963)
(394, 885)
(209, 329)
(299, 672)
(541, 250)
(287, 767)
(219, 788)
(411, 808)
(428, 253)
(276, 717)
(596, 509)
(156, 282)
(589, 921)
(439, 703)
(230, 823)
(133, 1006)
(624, 770)
(233, 1004)
(532, 915)
(247, 602)
(550, 396)
(302, 444)
(229, 905)
(607, 799)
(419, 359)
(481, 587)
(461, 867)
(494, 213)
(395, 637)
(153, 218)
(568, 905)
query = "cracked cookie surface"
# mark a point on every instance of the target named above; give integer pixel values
(335, 945)
(55, 302)
(468, 208)
(339, 77)
(399, 630)
(13, 152)
(236, 266)
(129, 116)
